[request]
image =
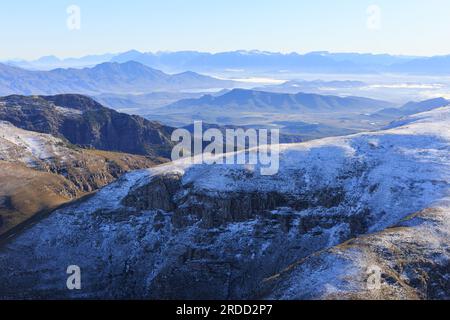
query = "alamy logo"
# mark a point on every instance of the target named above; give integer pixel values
(74, 280)
(74, 18)
(237, 146)
(374, 17)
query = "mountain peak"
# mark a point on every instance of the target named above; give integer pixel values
(125, 66)
(48, 59)
(422, 106)
(132, 51)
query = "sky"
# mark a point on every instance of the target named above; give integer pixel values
(30, 29)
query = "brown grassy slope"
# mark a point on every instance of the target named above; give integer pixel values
(25, 192)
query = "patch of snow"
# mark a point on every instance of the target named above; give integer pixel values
(33, 145)
(68, 111)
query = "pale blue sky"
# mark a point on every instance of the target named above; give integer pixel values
(31, 28)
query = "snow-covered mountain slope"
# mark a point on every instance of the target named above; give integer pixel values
(87, 169)
(220, 231)
(39, 172)
(28, 147)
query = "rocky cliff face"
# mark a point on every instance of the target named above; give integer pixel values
(84, 122)
(336, 207)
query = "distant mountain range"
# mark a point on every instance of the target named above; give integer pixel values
(307, 116)
(52, 62)
(109, 77)
(430, 66)
(254, 60)
(84, 122)
(241, 100)
(313, 62)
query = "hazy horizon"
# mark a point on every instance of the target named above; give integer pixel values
(79, 28)
(156, 52)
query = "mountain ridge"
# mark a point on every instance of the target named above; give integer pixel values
(83, 121)
(412, 107)
(108, 77)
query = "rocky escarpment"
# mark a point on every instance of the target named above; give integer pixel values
(215, 209)
(84, 122)
(412, 260)
(335, 207)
